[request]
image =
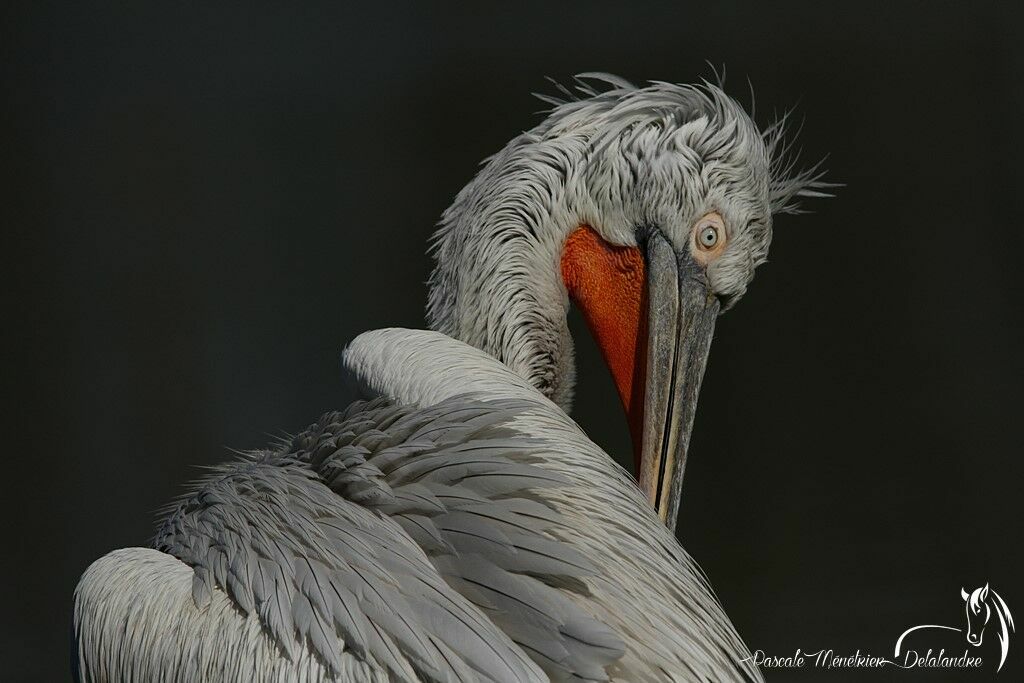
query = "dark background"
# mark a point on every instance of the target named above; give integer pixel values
(203, 205)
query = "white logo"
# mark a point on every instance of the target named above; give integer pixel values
(980, 604)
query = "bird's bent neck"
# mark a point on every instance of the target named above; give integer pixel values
(497, 282)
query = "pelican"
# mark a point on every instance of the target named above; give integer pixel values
(454, 524)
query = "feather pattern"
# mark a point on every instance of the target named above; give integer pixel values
(636, 580)
(354, 540)
(492, 541)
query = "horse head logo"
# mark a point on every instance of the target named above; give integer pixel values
(980, 605)
(978, 613)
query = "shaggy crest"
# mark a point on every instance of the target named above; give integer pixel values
(668, 106)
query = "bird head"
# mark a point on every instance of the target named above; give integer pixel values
(647, 208)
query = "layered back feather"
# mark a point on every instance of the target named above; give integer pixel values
(456, 526)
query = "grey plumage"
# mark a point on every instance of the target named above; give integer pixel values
(459, 526)
(645, 586)
(432, 534)
(309, 537)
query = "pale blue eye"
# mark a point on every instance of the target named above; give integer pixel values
(708, 237)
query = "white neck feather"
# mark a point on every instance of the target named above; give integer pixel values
(497, 283)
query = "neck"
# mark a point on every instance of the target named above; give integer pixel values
(497, 280)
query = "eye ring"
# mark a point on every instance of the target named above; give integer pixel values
(709, 237)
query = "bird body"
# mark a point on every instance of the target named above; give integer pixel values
(457, 526)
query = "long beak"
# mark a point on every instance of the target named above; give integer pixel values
(680, 324)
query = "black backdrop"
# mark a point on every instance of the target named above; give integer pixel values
(204, 204)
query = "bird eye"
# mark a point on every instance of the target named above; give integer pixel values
(709, 237)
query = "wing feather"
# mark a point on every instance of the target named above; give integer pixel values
(408, 542)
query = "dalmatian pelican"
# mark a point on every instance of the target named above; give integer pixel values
(455, 524)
